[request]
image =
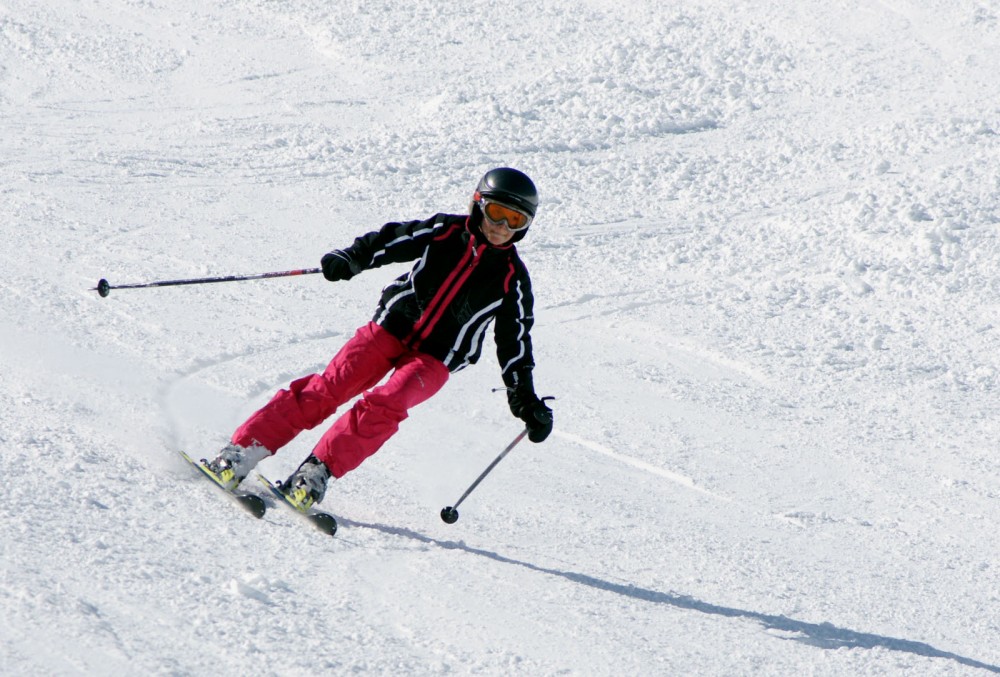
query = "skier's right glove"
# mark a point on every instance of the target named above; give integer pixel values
(338, 265)
(525, 405)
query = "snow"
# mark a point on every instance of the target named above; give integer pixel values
(766, 268)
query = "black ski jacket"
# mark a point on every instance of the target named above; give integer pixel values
(458, 285)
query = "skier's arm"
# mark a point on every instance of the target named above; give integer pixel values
(512, 330)
(513, 337)
(395, 242)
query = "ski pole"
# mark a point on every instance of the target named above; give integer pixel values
(104, 287)
(450, 514)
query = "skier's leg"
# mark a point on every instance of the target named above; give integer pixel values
(360, 364)
(375, 417)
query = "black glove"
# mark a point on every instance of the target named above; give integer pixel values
(338, 265)
(525, 405)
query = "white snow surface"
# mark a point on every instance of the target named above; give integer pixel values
(766, 269)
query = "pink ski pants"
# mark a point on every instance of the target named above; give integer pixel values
(357, 434)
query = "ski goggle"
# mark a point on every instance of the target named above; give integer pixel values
(500, 214)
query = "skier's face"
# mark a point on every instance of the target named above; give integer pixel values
(497, 233)
(501, 221)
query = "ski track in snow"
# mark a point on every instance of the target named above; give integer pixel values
(646, 467)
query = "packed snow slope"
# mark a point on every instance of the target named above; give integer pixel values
(766, 269)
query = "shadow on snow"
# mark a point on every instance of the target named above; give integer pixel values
(822, 635)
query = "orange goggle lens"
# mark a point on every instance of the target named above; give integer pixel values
(498, 213)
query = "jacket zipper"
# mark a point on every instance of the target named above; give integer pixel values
(435, 309)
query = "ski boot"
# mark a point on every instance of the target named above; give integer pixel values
(234, 463)
(307, 485)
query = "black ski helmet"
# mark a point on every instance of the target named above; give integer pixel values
(510, 187)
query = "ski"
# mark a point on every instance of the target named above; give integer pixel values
(323, 521)
(252, 503)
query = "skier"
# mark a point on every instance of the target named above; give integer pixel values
(429, 322)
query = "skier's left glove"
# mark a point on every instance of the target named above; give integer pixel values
(525, 405)
(338, 265)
